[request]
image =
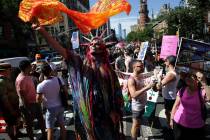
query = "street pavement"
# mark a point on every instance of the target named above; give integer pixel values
(152, 128)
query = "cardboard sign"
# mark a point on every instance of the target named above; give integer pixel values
(147, 77)
(143, 51)
(169, 46)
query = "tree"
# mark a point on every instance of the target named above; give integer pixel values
(132, 36)
(141, 35)
(189, 21)
(21, 31)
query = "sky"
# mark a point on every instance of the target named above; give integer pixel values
(131, 19)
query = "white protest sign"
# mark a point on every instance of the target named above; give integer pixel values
(143, 50)
(75, 40)
(146, 77)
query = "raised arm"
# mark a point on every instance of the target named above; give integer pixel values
(51, 40)
(167, 79)
(134, 92)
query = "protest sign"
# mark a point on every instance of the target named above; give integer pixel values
(169, 46)
(147, 77)
(143, 51)
(152, 96)
(194, 54)
(75, 40)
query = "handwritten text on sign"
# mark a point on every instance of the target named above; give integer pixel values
(169, 46)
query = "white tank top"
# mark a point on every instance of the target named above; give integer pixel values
(139, 103)
(169, 91)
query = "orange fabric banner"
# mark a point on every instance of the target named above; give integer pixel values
(49, 12)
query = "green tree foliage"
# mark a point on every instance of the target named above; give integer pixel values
(143, 35)
(20, 30)
(189, 20)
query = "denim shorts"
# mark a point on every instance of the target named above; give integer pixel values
(53, 114)
(137, 114)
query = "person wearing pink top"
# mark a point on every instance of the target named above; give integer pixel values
(27, 99)
(186, 116)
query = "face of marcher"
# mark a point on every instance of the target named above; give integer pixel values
(29, 68)
(200, 76)
(96, 46)
(191, 81)
(167, 63)
(138, 67)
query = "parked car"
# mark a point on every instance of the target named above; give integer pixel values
(14, 61)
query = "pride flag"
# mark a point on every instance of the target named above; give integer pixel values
(49, 12)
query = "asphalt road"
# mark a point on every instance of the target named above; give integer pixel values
(152, 128)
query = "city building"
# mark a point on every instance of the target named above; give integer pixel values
(134, 27)
(160, 28)
(144, 19)
(119, 31)
(124, 34)
(164, 9)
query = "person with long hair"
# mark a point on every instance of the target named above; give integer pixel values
(96, 90)
(187, 116)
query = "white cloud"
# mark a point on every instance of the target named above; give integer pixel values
(126, 23)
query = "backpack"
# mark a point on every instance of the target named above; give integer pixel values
(203, 106)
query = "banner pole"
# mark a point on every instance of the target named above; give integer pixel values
(180, 43)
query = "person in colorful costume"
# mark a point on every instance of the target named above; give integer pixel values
(96, 91)
(97, 95)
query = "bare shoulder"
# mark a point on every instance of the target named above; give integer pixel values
(131, 81)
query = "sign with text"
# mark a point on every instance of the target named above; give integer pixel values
(193, 51)
(147, 77)
(75, 40)
(169, 45)
(194, 54)
(143, 51)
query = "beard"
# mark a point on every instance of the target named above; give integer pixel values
(139, 72)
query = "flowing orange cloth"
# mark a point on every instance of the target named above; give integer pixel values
(49, 12)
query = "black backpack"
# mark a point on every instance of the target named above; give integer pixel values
(203, 106)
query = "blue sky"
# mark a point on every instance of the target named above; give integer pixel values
(131, 19)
